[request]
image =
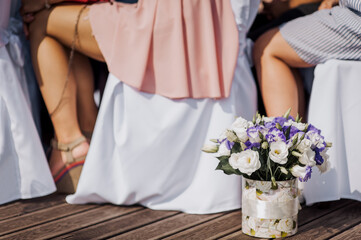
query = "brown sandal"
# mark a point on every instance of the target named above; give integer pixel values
(66, 179)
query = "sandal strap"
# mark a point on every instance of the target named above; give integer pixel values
(68, 147)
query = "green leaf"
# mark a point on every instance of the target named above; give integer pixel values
(297, 118)
(295, 139)
(261, 136)
(283, 234)
(227, 168)
(236, 148)
(287, 134)
(274, 183)
(287, 113)
(219, 166)
(223, 158)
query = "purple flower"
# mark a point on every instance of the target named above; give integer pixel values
(313, 128)
(253, 133)
(293, 131)
(318, 158)
(274, 134)
(280, 120)
(269, 125)
(228, 143)
(250, 145)
(308, 174)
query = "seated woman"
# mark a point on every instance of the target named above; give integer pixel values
(304, 42)
(24, 172)
(172, 87)
(327, 34)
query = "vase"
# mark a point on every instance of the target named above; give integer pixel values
(269, 212)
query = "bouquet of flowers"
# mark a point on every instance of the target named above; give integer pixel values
(270, 153)
(271, 149)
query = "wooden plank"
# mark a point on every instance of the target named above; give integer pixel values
(41, 216)
(306, 214)
(119, 225)
(310, 213)
(239, 236)
(213, 229)
(22, 207)
(72, 223)
(331, 224)
(352, 233)
(168, 226)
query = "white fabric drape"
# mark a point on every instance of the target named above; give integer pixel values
(24, 172)
(146, 148)
(335, 108)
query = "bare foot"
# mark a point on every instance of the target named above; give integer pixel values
(58, 158)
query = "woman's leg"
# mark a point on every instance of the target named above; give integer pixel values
(280, 85)
(86, 108)
(47, 34)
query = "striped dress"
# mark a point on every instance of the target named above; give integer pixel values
(327, 34)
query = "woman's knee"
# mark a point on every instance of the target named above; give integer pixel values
(266, 46)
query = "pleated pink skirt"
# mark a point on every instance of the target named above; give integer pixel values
(174, 48)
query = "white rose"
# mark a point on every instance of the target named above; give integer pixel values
(254, 136)
(223, 150)
(278, 152)
(299, 126)
(246, 161)
(240, 127)
(285, 225)
(299, 171)
(304, 145)
(324, 167)
(308, 158)
(316, 139)
(324, 155)
(268, 119)
(288, 123)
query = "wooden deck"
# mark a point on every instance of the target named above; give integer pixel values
(51, 217)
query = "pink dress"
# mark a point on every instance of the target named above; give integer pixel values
(146, 147)
(177, 48)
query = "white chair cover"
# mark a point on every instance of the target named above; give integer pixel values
(146, 148)
(335, 108)
(24, 172)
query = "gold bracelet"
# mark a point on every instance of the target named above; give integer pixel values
(47, 4)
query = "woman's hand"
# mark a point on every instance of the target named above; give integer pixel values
(327, 4)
